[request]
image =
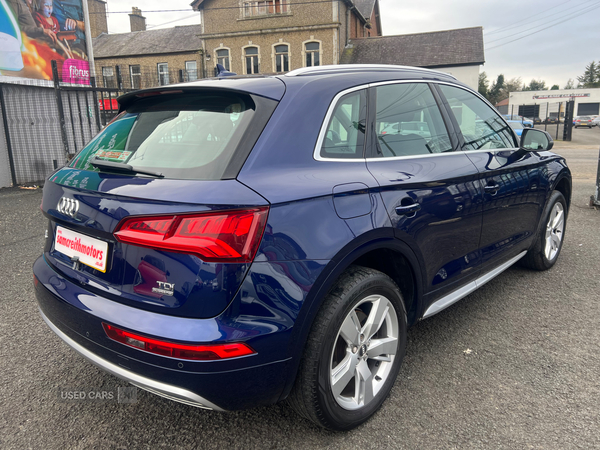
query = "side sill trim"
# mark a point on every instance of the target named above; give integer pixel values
(164, 390)
(459, 294)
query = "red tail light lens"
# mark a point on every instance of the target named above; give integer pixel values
(180, 351)
(217, 236)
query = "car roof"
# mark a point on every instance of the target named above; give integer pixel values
(274, 86)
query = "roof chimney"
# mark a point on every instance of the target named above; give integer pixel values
(98, 22)
(136, 20)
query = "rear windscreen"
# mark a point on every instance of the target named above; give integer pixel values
(185, 136)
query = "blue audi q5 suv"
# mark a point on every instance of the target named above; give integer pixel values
(237, 242)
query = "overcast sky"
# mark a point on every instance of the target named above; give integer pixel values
(564, 35)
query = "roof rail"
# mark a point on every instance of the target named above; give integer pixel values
(348, 68)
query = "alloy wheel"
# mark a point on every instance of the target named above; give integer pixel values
(554, 231)
(363, 352)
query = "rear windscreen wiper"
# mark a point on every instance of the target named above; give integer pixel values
(120, 167)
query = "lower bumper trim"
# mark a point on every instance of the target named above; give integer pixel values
(156, 387)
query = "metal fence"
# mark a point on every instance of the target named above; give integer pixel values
(554, 117)
(46, 123)
(141, 77)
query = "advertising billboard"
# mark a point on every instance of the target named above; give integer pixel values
(35, 32)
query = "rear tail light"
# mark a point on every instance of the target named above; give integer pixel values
(216, 236)
(175, 350)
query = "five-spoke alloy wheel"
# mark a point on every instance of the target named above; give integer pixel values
(354, 351)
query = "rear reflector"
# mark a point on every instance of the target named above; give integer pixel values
(216, 236)
(179, 351)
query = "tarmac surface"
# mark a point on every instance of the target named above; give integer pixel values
(514, 365)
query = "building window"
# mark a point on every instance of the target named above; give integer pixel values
(163, 73)
(191, 71)
(251, 57)
(313, 54)
(135, 76)
(282, 59)
(263, 8)
(223, 58)
(108, 77)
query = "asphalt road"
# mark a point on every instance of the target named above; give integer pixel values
(579, 136)
(514, 365)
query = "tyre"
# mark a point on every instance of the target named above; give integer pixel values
(354, 351)
(549, 240)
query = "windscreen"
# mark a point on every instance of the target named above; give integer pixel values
(184, 136)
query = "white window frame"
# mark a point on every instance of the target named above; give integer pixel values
(244, 57)
(194, 77)
(228, 57)
(304, 52)
(134, 76)
(259, 8)
(274, 57)
(158, 70)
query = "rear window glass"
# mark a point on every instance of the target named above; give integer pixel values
(190, 136)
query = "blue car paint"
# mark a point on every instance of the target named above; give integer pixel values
(323, 217)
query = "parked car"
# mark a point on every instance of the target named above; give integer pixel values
(583, 121)
(552, 120)
(516, 126)
(524, 120)
(596, 121)
(537, 120)
(240, 242)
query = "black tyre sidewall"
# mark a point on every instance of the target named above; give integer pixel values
(539, 253)
(337, 417)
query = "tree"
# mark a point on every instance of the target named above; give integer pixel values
(555, 87)
(483, 84)
(591, 76)
(495, 88)
(570, 84)
(512, 85)
(536, 85)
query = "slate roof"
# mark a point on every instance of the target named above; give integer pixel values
(463, 46)
(149, 42)
(365, 7)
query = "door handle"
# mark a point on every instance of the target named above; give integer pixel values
(492, 189)
(409, 210)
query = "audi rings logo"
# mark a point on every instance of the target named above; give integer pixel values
(68, 206)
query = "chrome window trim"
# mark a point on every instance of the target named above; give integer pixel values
(323, 131)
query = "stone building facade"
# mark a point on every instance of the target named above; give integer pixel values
(98, 23)
(246, 37)
(276, 36)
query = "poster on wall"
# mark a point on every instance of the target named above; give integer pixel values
(35, 32)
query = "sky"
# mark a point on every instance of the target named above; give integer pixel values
(553, 40)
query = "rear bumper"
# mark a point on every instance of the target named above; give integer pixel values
(76, 316)
(156, 387)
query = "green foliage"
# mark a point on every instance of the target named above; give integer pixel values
(591, 76)
(570, 84)
(483, 84)
(555, 87)
(495, 89)
(536, 85)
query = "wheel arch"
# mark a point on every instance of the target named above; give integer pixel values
(378, 249)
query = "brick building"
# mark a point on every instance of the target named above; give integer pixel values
(276, 36)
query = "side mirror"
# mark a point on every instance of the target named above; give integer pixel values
(533, 139)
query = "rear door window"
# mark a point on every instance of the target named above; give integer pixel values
(185, 136)
(408, 121)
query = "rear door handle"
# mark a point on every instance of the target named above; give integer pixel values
(492, 189)
(408, 210)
